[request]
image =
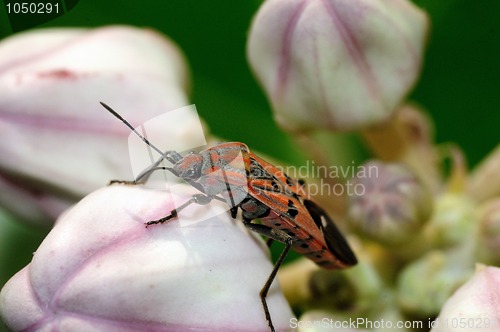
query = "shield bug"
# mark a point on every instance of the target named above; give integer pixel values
(230, 173)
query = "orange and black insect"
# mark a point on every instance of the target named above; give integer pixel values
(262, 192)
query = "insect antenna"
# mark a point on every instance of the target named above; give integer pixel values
(119, 117)
(171, 156)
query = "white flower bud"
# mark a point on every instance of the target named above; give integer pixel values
(453, 220)
(426, 283)
(394, 205)
(474, 306)
(336, 64)
(100, 269)
(488, 241)
(57, 142)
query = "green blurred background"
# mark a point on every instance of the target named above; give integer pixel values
(459, 86)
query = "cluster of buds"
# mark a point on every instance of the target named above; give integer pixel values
(348, 66)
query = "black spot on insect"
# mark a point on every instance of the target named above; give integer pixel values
(289, 181)
(301, 182)
(317, 254)
(292, 210)
(290, 233)
(265, 213)
(277, 224)
(304, 245)
(323, 263)
(256, 172)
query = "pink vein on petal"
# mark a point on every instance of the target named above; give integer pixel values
(353, 48)
(117, 324)
(284, 64)
(51, 308)
(327, 116)
(126, 239)
(63, 123)
(42, 54)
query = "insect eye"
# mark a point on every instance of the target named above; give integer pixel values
(193, 173)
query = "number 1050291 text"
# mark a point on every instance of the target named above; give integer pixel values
(32, 8)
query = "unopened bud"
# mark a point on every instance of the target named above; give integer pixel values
(488, 241)
(394, 205)
(336, 64)
(57, 142)
(100, 269)
(474, 306)
(425, 284)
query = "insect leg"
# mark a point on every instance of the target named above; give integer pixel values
(144, 175)
(234, 212)
(171, 156)
(196, 199)
(280, 236)
(270, 279)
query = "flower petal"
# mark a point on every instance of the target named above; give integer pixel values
(101, 269)
(55, 138)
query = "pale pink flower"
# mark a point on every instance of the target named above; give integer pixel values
(392, 204)
(57, 142)
(473, 307)
(336, 64)
(100, 269)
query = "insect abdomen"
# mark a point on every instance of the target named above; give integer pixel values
(303, 243)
